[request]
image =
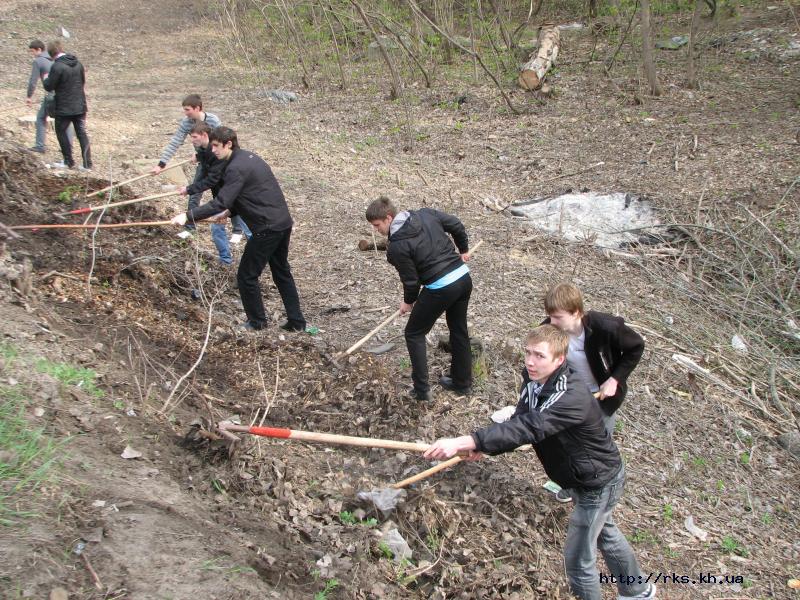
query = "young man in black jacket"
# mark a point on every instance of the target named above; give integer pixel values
(423, 254)
(249, 189)
(209, 177)
(602, 349)
(67, 78)
(557, 414)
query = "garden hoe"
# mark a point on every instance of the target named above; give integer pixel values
(385, 499)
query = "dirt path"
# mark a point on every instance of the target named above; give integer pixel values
(279, 520)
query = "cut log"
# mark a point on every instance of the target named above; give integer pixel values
(532, 74)
(367, 245)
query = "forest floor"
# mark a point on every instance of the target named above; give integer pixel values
(98, 330)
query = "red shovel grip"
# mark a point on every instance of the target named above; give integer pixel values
(273, 432)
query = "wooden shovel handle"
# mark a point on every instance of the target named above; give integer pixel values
(88, 209)
(363, 340)
(326, 438)
(91, 225)
(428, 472)
(137, 178)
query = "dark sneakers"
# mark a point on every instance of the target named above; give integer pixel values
(447, 383)
(421, 396)
(249, 327)
(289, 326)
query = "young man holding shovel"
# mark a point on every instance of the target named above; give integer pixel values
(249, 189)
(557, 414)
(435, 280)
(212, 169)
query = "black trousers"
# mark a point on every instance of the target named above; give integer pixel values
(452, 300)
(268, 247)
(79, 123)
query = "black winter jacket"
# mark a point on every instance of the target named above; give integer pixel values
(213, 170)
(250, 190)
(422, 252)
(612, 350)
(67, 79)
(566, 428)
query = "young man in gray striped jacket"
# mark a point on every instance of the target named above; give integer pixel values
(193, 113)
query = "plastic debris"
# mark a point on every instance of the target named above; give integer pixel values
(738, 344)
(700, 534)
(673, 43)
(385, 500)
(399, 547)
(130, 453)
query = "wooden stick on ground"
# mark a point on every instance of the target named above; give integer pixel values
(88, 209)
(137, 178)
(428, 472)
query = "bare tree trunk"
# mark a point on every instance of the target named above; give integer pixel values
(533, 72)
(647, 51)
(501, 25)
(326, 10)
(691, 82)
(397, 85)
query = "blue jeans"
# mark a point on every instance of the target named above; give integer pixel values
(219, 236)
(218, 233)
(591, 525)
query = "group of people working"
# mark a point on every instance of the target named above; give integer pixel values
(576, 363)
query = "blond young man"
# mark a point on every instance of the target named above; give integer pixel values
(557, 414)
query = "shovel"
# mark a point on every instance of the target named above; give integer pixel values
(137, 178)
(385, 499)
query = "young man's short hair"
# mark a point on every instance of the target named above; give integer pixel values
(55, 47)
(223, 135)
(201, 127)
(564, 296)
(381, 208)
(36, 45)
(193, 100)
(557, 340)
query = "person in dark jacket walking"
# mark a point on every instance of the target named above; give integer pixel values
(435, 280)
(249, 189)
(209, 177)
(602, 349)
(67, 79)
(557, 414)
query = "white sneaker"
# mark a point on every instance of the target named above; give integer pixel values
(649, 594)
(60, 165)
(236, 238)
(185, 234)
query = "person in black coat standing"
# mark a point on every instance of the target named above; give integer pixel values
(435, 280)
(249, 189)
(67, 79)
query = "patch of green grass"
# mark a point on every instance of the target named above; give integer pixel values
(385, 550)
(668, 512)
(731, 545)
(71, 375)
(8, 352)
(642, 536)
(619, 426)
(28, 458)
(68, 193)
(330, 585)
